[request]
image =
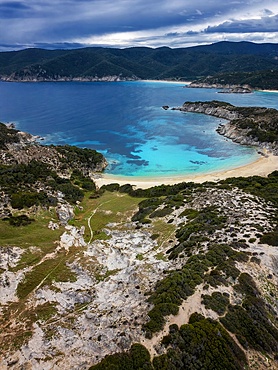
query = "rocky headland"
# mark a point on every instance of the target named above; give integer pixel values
(35, 175)
(254, 126)
(18, 147)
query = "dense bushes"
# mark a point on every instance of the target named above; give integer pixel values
(82, 181)
(137, 358)
(250, 321)
(146, 207)
(217, 302)
(22, 181)
(201, 344)
(83, 156)
(156, 191)
(15, 176)
(180, 284)
(270, 238)
(22, 220)
(28, 199)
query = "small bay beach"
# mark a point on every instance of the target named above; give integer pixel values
(261, 167)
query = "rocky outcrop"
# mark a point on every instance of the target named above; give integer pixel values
(64, 213)
(73, 237)
(211, 109)
(227, 88)
(241, 136)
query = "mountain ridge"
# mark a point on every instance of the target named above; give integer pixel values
(94, 63)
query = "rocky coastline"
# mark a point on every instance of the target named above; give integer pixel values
(26, 77)
(24, 147)
(245, 126)
(226, 88)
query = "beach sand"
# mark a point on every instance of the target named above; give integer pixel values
(272, 91)
(261, 167)
(169, 81)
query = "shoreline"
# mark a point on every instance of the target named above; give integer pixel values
(271, 91)
(167, 81)
(263, 166)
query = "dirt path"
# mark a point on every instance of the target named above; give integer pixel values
(90, 217)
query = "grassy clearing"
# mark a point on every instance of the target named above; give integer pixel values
(36, 239)
(109, 208)
(164, 230)
(35, 234)
(45, 273)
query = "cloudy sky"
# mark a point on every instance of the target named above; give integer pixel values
(124, 23)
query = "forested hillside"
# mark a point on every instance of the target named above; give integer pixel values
(145, 63)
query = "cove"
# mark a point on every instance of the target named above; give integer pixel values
(125, 121)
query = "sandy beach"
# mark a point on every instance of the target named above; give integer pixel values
(261, 167)
(272, 91)
(169, 81)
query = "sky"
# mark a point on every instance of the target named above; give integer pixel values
(60, 24)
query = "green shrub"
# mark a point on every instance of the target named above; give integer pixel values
(217, 302)
(137, 358)
(22, 220)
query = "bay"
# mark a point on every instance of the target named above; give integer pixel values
(125, 121)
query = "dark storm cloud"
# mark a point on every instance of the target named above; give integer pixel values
(265, 24)
(123, 23)
(13, 9)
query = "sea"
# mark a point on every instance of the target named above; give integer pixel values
(125, 121)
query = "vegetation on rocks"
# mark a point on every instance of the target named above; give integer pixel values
(7, 135)
(247, 125)
(29, 181)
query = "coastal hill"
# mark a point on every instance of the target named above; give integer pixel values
(170, 277)
(34, 175)
(256, 63)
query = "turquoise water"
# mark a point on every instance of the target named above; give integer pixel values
(125, 121)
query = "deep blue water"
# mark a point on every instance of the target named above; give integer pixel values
(125, 121)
